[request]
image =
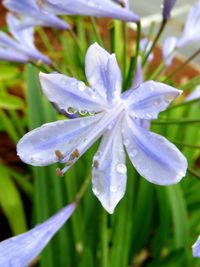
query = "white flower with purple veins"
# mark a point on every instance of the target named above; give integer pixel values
(38, 12)
(43, 12)
(196, 249)
(117, 117)
(20, 47)
(21, 250)
(191, 33)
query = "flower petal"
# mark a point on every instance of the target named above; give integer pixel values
(7, 54)
(25, 38)
(168, 47)
(39, 146)
(153, 156)
(103, 8)
(167, 7)
(103, 72)
(36, 14)
(21, 250)
(109, 169)
(149, 99)
(196, 249)
(67, 93)
(191, 30)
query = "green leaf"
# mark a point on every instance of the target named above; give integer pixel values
(11, 203)
(11, 102)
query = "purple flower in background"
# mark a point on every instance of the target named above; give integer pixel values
(195, 94)
(138, 76)
(196, 249)
(167, 7)
(21, 250)
(38, 12)
(21, 48)
(191, 33)
(115, 116)
(43, 12)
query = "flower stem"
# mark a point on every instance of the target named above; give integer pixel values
(162, 26)
(83, 188)
(174, 72)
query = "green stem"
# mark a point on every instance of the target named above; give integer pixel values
(97, 35)
(104, 237)
(182, 66)
(83, 188)
(186, 103)
(125, 32)
(195, 173)
(162, 26)
(186, 145)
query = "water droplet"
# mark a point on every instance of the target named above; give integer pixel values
(35, 233)
(113, 189)
(133, 153)
(148, 115)
(91, 113)
(96, 192)
(81, 86)
(82, 112)
(169, 98)
(121, 168)
(71, 111)
(157, 102)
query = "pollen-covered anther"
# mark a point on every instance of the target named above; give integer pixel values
(59, 172)
(59, 155)
(95, 163)
(74, 154)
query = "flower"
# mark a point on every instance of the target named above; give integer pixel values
(117, 117)
(195, 94)
(190, 33)
(167, 7)
(21, 48)
(37, 12)
(21, 250)
(43, 12)
(196, 249)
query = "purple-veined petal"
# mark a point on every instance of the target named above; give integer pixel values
(68, 93)
(196, 248)
(169, 45)
(39, 15)
(191, 31)
(106, 122)
(38, 147)
(167, 7)
(8, 42)
(109, 169)
(194, 94)
(149, 99)
(103, 72)
(11, 55)
(25, 38)
(153, 156)
(138, 76)
(21, 250)
(103, 8)
(114, 80)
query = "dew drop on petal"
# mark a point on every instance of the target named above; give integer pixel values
(91, 113)
(82, 112)
(71, 111)
(81, 86)
(169, 98)
(133, 153)
(113, 189)
(121, 168)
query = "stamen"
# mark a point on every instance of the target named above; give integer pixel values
(59, 172)
(95, 163)
(74, 154)
(59, 155)
(69, 163)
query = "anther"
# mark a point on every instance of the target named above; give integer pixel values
(95, 163)
(59, 172)
(59, 155)
(74, 154)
